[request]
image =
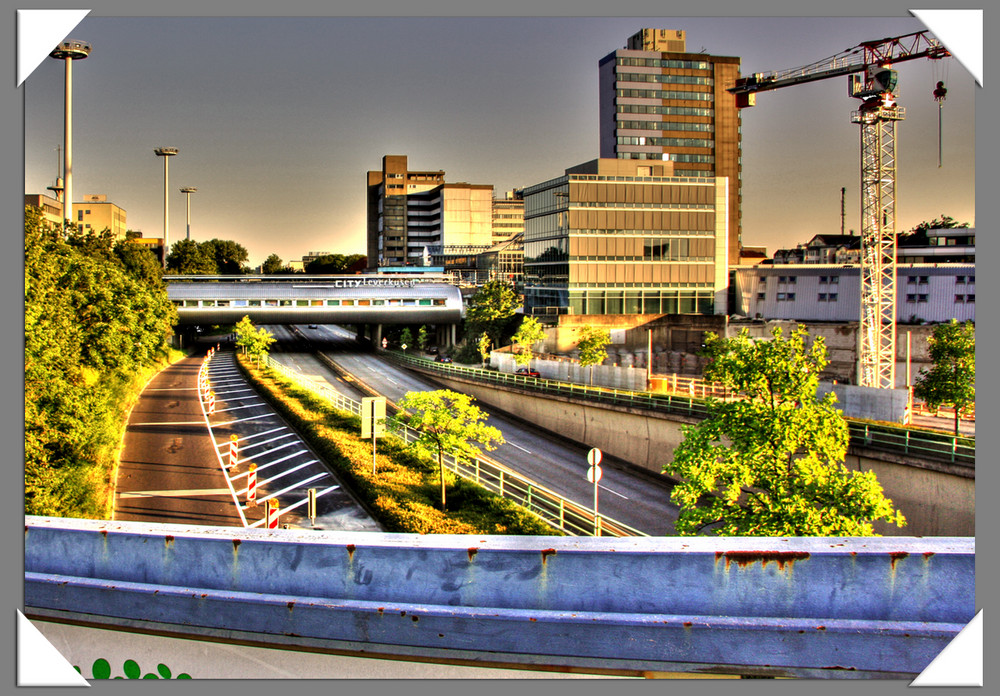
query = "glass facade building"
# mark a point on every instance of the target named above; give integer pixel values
(626, 237)
(658, 102)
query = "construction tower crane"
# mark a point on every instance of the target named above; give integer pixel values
(870, 79)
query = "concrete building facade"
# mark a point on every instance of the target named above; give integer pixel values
(658, 102)
(97, 214)
(411, 212)
(925, 292)
(619, 236)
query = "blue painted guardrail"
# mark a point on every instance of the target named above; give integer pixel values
(804, 607)
(898, 440)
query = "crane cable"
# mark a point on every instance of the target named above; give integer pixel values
(940, 92)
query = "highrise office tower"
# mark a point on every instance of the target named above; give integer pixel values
(413, 213)
(659, 102)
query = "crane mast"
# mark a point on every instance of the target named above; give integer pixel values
(871, 80)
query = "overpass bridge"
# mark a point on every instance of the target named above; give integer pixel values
(365, 301)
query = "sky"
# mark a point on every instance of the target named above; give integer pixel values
(278, 119)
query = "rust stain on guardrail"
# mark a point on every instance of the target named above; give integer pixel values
(745, 558)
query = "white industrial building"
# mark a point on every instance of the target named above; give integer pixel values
(829, 292)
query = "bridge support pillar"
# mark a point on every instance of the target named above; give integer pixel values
(377, 336)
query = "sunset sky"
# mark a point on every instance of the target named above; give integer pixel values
(277, 120)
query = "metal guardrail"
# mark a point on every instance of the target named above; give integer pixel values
(557, 511)
(899, 440)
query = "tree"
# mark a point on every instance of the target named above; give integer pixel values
(528, 334)
(95, 313)
(593, 342)
(255, 341)
(422, 338)
(229, 256)
(491, 307)
(446, 421)
(952, 379)
(405, 338)
(272, 264)
(484, 347)
(187, 257)
(771, 462)
(918, 235)
(332, 264)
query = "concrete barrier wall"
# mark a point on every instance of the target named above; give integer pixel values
(868, 402)
(827, 607)
(935, 501)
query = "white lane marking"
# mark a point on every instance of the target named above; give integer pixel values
(292, 487)
(175, 493)
(302, 502)
(518, 446)
(170, 423)
(240, 408)
(243, 420)
(614, 492)
(244, 446)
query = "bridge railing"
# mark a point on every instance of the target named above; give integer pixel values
(899, 440)
(556, 510)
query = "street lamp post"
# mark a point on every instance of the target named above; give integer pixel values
(69, 51)
(166, 153)
(188, 190)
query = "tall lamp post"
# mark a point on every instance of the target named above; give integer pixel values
(69, 51)
(166, 153)
(188, 190)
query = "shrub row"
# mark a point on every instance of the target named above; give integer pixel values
(401, 493)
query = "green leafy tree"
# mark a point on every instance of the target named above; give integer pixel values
(255, 341)
(447, 422)
(484, 347)
(95, 314)
(406, 338)
(771, 462)
(490, 309)
(422, 338)
(229, 256)
(952, 379)
(332, 264)
(528, 334)
(187, 257)
(272, 265)
(592, 346)
(918, 235)
(140, 262)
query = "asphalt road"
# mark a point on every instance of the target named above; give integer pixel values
(175, 464)
(554, 462)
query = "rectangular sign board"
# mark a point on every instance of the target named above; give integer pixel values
(372, 416)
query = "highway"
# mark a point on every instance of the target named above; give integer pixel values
(635, 499)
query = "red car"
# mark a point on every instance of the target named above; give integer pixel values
(528, 372)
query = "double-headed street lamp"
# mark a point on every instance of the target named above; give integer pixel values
(69, 51)
(166, 153)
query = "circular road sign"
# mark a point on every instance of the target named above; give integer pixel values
(594, 474)
(594, 457)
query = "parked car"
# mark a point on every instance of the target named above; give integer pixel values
(432, 350)
(528, 372)
(442, 359)
(313, 326)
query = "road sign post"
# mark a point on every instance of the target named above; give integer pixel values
(373, 421)
(594, 474)
(312, 507)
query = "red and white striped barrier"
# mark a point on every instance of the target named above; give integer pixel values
(211, 402)
(272, 513)
(252, 486)
(232, 452)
